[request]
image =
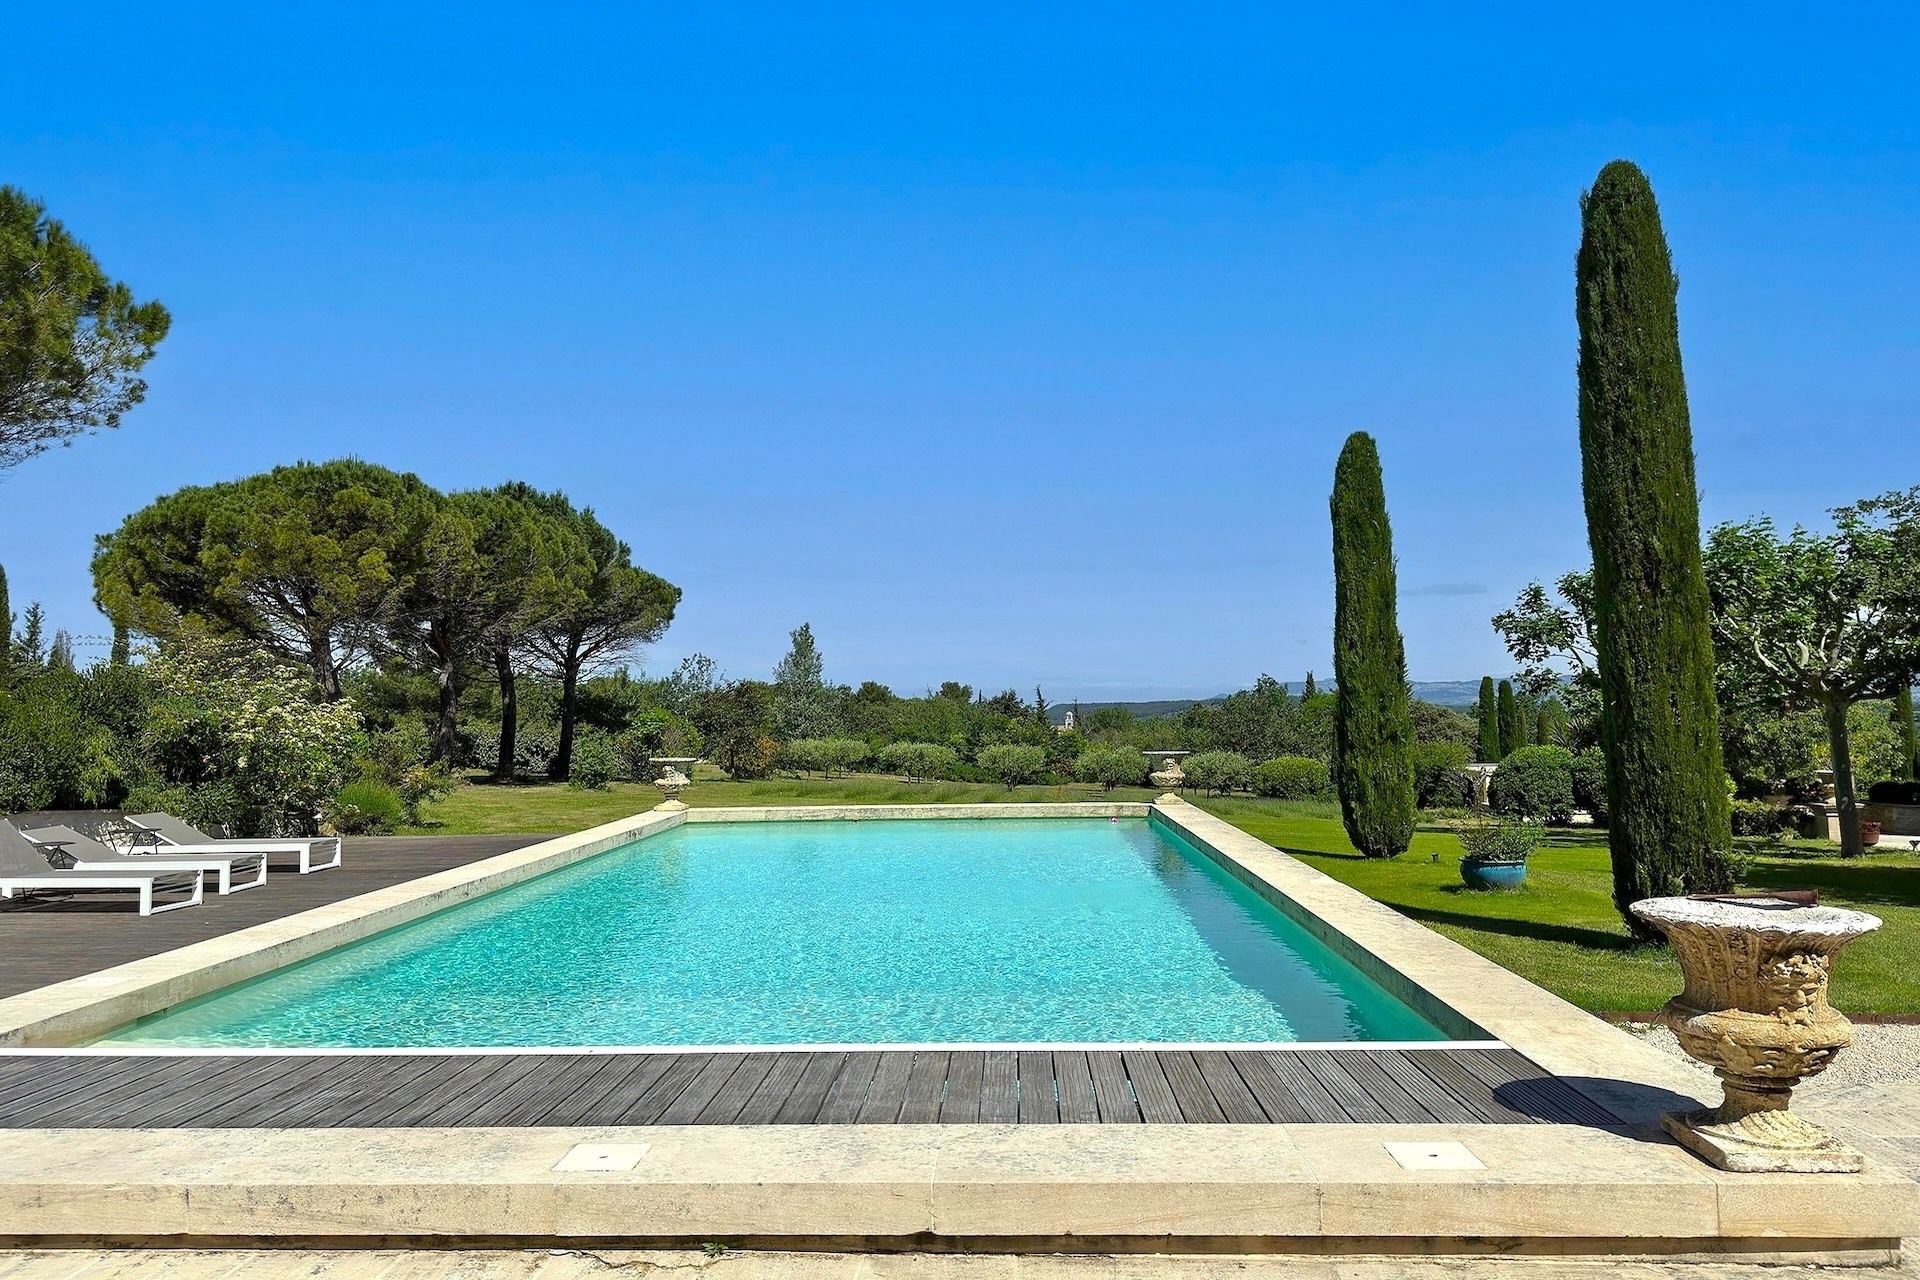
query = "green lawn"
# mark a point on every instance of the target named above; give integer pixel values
(1561, 931)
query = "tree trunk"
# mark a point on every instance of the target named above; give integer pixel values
(1842, 749)
(562, 768)
(509, 714)
(446, 742)
(326, 678)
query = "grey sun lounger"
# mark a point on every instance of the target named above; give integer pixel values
(175, 836)
(89, 854)
(24, 869)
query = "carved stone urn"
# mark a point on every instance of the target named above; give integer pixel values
(1168, 777)
(1755, 1010)
(671, 783)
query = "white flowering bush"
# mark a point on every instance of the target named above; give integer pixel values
(259, 742)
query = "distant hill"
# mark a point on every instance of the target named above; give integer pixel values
(1446, 693)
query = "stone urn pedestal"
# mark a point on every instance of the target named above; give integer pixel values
(671, 783)
(1169, 777)
(1755, 1010)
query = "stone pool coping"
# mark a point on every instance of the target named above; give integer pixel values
(1550, 1189)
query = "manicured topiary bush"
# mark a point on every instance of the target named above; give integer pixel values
(1221, 771)
(1292, 778)
(1758, 818)
(1535, 783)
(1111, 767)
(1895, 791)
(1440, 777)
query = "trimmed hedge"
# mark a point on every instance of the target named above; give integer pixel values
(1536, 783)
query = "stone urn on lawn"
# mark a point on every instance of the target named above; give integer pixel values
(1755, 1010)
(1169, 777)
(671, 783)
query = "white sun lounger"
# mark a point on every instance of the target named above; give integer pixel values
(175, 836)
(24, 869)
(89, 854)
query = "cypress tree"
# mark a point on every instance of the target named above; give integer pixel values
(1489, 722)
(1669, 821)
(6, 625)
(1373, 721)
(1903, 722)
(1309, 689)
(122, 646)
(1513, 725)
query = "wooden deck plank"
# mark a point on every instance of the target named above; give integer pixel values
(1473, 1092)
(645, 1105)
(703, 1088)
(1037, 1104)
(961, 1105)
(926, 1083)
(1074, 1077)
(1197, 1103)
(1150, 1087)
(1111, 1093)
(1229, 1091)
(849, 1090)
(905, 1086)
(351, 1092)
(810, 1094)
(1321, 1107)
(1384, 1087)
(1275, 1096)
(887, 1092)
(771, 1094)
(1352, 1097)
(725, 1105)
(999, 1087)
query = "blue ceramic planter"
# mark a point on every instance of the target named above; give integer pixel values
(1492, 875)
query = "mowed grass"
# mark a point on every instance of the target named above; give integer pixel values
(1560, 931)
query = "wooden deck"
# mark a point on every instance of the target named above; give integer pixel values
(51, 938)
(1442, 1084)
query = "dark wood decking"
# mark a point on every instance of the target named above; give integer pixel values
(51, 938)
(1443, 1084)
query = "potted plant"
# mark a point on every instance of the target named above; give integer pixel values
(1497, 853)
(1869, 832)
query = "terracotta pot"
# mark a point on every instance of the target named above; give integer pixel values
(1869, 833)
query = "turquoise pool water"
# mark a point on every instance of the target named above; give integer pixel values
(830, 932)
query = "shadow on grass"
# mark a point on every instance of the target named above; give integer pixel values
(1535, 930)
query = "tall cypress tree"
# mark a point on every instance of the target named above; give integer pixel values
(1902, 722)
(1373, 721)
(6, 625)
(1659, 725)
(1513, 725)
(1489, 722)
(122, 646)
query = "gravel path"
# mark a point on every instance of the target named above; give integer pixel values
(1882, 1053)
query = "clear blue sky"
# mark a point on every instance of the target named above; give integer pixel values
(1010, 345)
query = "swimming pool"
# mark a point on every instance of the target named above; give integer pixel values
(1058, 930)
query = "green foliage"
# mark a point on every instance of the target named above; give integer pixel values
(365, 807)
(1013, 763)
(1373, 727)
(595, 763)
(736, 722)
(1822, 622)
(823, 755)
(309, 563)
(52, 754)
(1440, 777)
(1500, 843)
(1292, 778)
(1552, 640)
(1590, 783)
(419, 785)
(1489, 711)
(804, 705)
(1218, 771)
(6, 626)
(1759, 818)
(1513, 728)
(918, 760)
(1111, 767)
(1660, 727)
(1536, 783)
(72, 341)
